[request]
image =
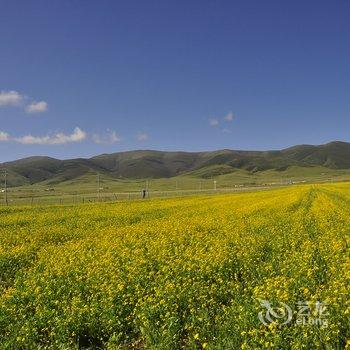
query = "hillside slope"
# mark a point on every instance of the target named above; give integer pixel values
(159, 164)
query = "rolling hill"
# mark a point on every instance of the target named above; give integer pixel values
(158, 164)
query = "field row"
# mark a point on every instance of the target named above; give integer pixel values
(177, 273)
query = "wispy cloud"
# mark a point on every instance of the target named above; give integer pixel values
(226, 131)
(37, 107)
(229, 117)
(142, 136)
(4, 136)
(213, 122)
(55, 139)
(217, 121)
(10, 98)
(97, 139)
(112, 137)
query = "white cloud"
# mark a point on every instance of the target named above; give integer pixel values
(56, 139)
(4, 136)
(10, 98)
(229, 117)
(226, 131)
(142, 136)
(112, 137)
(14, 98)
(37, 107)
(213, 122)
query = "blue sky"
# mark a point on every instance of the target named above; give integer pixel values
(80, 78)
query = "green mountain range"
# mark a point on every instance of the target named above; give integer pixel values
(158, 164)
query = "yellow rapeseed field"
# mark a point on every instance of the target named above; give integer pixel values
(178, 273)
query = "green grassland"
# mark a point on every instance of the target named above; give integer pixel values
(125, 174)
(85, 187)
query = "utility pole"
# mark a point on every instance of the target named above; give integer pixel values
(147, 188)
(5, 189)
(98, 186)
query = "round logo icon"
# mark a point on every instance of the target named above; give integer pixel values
(281, 314)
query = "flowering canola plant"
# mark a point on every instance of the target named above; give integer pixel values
(181, 273)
